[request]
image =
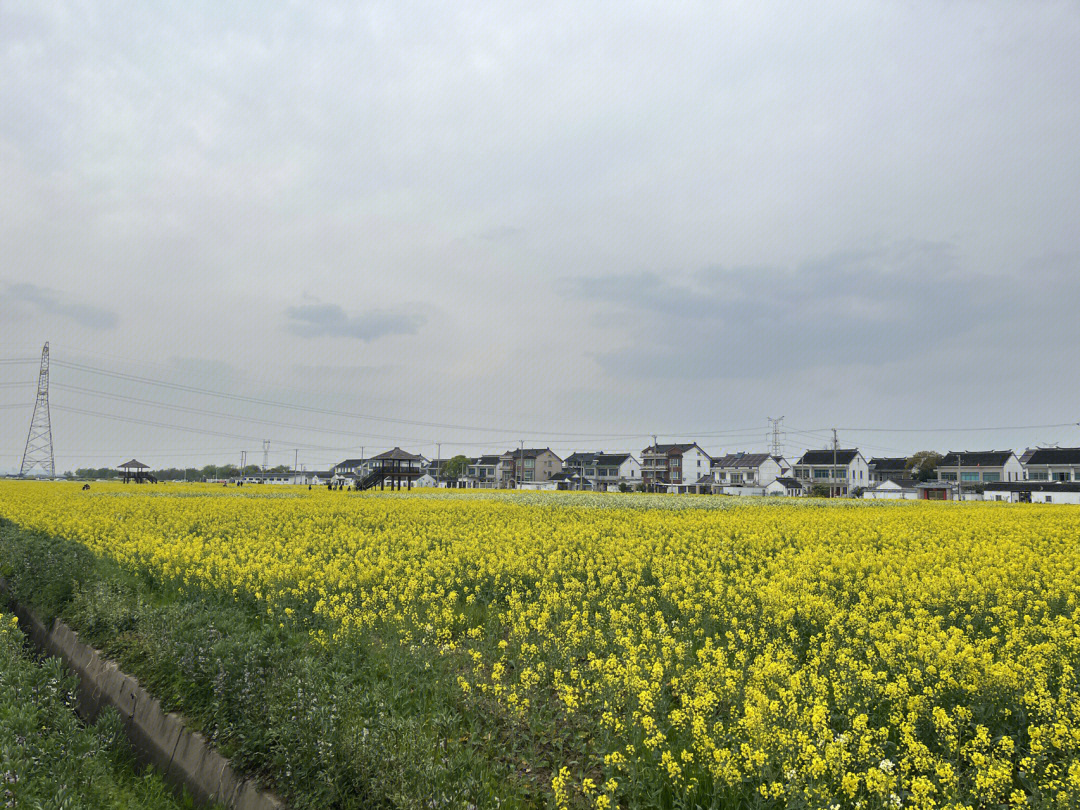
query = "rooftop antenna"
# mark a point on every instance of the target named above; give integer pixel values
(39, 444)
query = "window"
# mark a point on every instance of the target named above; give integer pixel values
(991, 478)
(1038, 476)
(736, 478)
(1049, 499)
(948, 476)
(969, 476)
(1061, 476)
(821, 473)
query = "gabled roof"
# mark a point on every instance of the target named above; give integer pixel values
(1027, 455)
(672, 449)
(789, 483)
(1054, 455)
(397, 454)
(528, 452)
(828, 457)
(742, 460)
(706, 479)
(979, 458)
(134, 465)
(882, 464)
(350, 462)
(565, 476)
(484, 461)
(595, 459)
(896, 483)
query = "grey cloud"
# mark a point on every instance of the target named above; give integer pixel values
(875, 305)
(44, 301)
(330, 320)
(504, 233)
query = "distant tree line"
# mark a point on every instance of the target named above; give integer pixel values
(210, 471)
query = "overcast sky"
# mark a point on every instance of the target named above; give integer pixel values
(573, 224)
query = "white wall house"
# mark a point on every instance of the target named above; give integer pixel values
(748, 469)
(785, 486)
(604, 472)
(839, 470)
(1052, 464)
(482, 472)
(980, 467)
(884, 468)
(1034, 492)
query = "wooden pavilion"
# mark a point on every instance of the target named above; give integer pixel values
(397, 466)
(136, 471)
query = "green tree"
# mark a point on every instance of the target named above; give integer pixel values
(923, 465)
(455, 467)
(819, 491)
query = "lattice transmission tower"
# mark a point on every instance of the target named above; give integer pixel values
(776, 437)
(39, 449)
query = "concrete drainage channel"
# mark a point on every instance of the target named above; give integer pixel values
(183, 756)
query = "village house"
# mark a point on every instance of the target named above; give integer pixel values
(981, 467)
(604, 471)
(1051, 464)
(748, 469)
(1033, 492)
(536, 465)
(886, 469)
(482, 472)
(666, 467)
(839, 470)
(352, 466)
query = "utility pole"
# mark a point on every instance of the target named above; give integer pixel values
(835, 445)
(521, 462)
(295, 462)
(438, 462)
(39, 445)
(655, 474)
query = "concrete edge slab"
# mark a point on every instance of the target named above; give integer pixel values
(184, 757)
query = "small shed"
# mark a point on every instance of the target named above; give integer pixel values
(785, 486)
(936, 491)
(893, 489)
(136, 471)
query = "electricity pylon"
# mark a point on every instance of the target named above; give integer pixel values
(39, 448)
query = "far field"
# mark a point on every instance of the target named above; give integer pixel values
(434, 649)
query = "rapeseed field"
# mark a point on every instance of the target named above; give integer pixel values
(670, 651)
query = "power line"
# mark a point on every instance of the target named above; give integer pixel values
(959, 430)
(393, 420)
(202, 431)
(308, 408)
(221, 415)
